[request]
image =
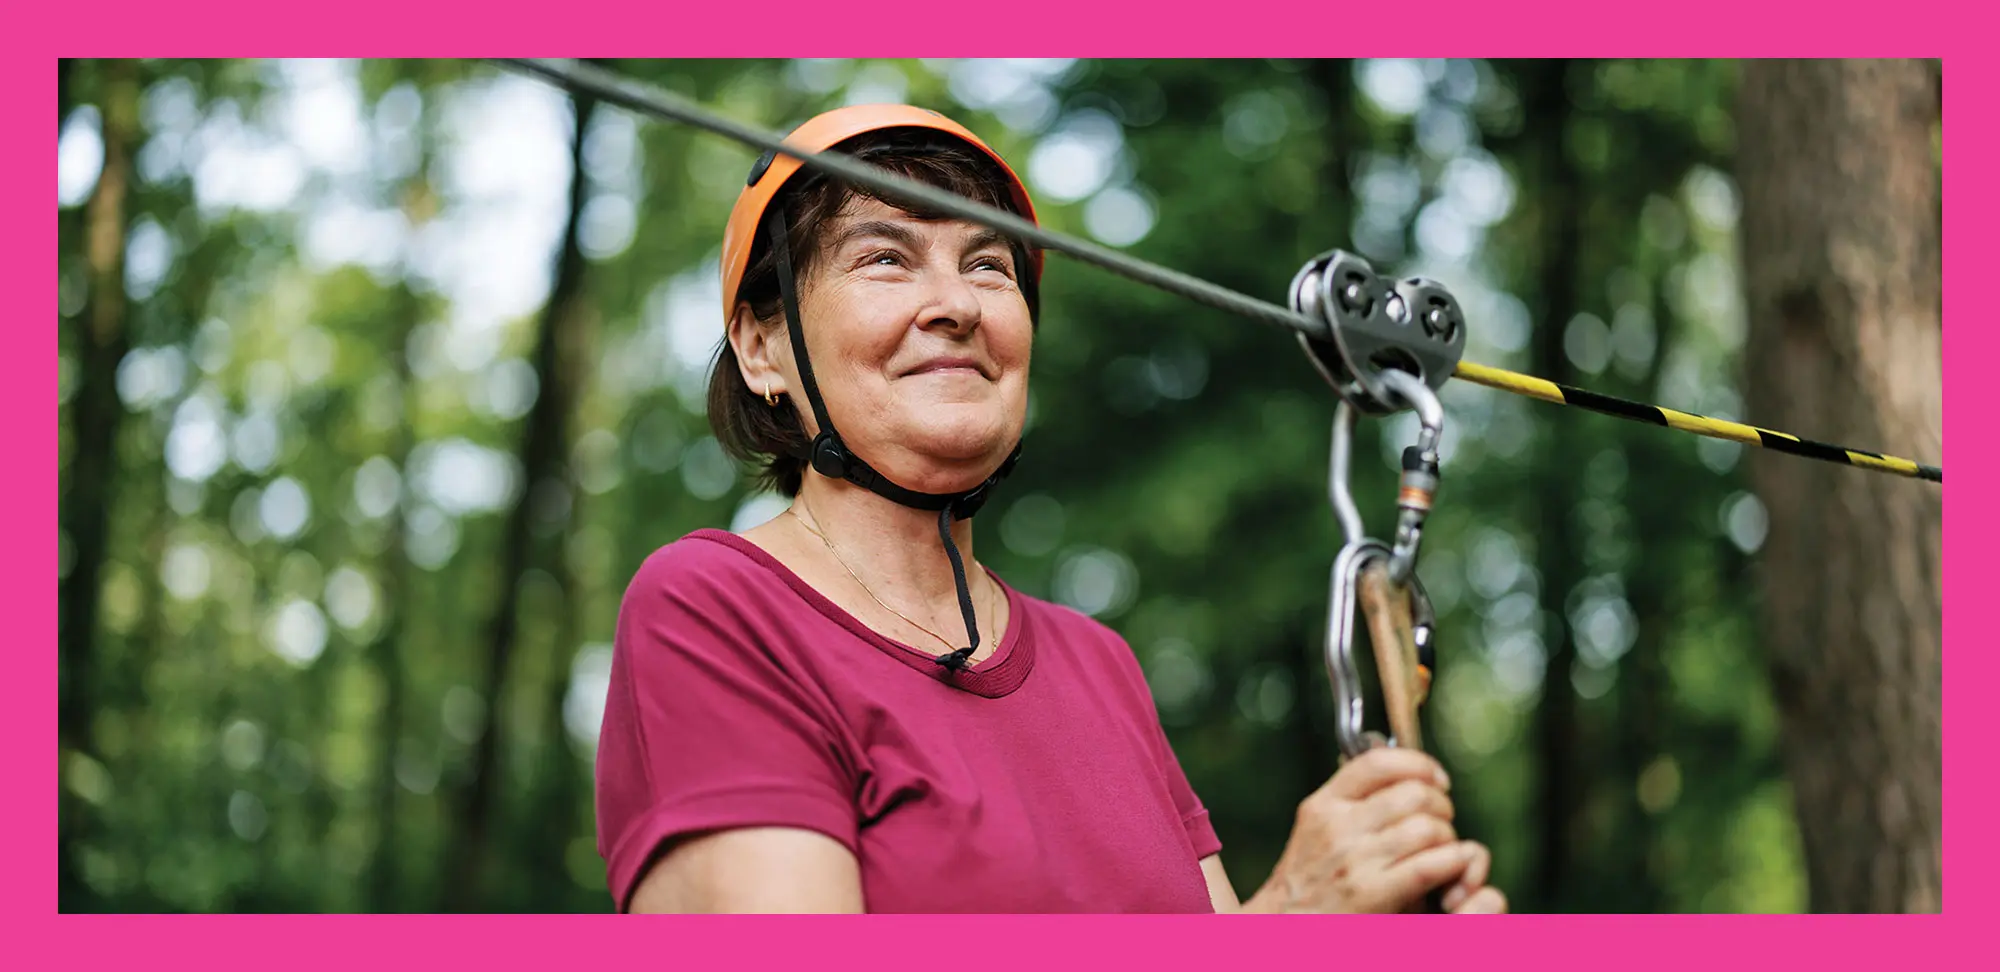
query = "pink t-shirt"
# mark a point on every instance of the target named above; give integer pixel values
(1038, 780)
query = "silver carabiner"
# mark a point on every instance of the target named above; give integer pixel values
(1349, 709)
(1359, 551)
(1343, 501)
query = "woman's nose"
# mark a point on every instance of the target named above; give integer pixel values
(953, 302)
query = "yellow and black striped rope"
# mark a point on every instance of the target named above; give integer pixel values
(1549, 391)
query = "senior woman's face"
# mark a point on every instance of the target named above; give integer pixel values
(920, 338)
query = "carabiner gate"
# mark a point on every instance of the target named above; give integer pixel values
(1420, 471)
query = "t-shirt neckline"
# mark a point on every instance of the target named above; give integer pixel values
(993, 677)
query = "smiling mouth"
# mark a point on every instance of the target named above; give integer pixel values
(948, 368)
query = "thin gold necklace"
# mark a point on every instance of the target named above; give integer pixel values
(842, 561)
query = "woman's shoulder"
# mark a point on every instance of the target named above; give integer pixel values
(704, 631)
(704, 565)
(1096, 651)
(1061, 616)
(711, 594)
(1080, 632)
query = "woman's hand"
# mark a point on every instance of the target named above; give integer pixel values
(1470, 895)
(1376, 838)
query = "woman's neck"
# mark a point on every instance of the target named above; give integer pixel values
(895, 549)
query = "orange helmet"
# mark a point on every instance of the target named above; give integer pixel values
(822, 132)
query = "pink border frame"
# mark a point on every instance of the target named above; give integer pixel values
(1696, 27)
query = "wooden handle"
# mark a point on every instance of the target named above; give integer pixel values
(1387, 607)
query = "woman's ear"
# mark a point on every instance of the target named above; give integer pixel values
(758, 352)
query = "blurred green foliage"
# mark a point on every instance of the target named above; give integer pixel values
(336, 276)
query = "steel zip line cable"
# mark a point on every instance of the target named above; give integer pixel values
(651, 100)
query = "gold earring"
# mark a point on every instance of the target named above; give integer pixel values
(770, 399)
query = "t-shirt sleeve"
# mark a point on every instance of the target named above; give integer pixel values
(1194, 814)
(704, 729)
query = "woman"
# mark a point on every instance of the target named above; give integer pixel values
(840, 710)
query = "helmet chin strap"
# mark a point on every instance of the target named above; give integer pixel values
(834, 460)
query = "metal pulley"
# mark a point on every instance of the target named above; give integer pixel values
(1412, 325)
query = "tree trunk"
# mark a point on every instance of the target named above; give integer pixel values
(542, 462)
(95, 414)
(553, 808)
(1559, 797)
(1645, 713)
(381, 886)
(1841, 226)
(552, 820)
(65, 69)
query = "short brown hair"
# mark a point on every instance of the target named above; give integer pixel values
(744, 425)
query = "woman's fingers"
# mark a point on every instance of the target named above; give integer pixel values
(1477, 871)
(1432, 867)
(1390, 805)
(1485, 901)
(1410, 835)
(1474, 878)
(1454, 898)
(1379, 768)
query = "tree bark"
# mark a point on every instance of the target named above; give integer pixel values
(1841, 236)
(542, 455)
